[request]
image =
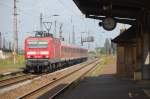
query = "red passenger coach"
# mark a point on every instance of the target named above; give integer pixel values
(46, 53)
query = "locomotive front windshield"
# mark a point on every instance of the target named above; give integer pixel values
(37, 44)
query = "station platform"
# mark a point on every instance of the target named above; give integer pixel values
(107, 86)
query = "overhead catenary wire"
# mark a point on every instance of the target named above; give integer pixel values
(27, 13)
(23, 12)
(70, 11)
(81, 17)
(19, 10)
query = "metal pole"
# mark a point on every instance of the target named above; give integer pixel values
(0, 41)
(69, 38)
(88, 42)
(55, 28)
(81, 39)
(9, 46)
(73, 35)
(15, 50)
(60, 31)
(41, 22)
(4, 43)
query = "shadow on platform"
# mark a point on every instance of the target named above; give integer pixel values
(106, 86)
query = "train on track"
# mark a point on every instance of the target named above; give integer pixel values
(44, 53)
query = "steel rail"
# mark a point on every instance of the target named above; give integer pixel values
(29, 94)
(15, 80)
(65, 87)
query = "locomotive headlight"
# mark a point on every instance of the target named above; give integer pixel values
(44, 52)
(31, 53)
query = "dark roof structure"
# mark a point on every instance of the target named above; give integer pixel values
(123, 10)
(128, 36)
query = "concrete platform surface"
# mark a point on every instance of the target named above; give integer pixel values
(106, 86)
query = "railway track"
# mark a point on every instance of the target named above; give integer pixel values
(15, 80)
(9, 74)
(59, 83)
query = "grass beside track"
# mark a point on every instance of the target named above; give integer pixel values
(8, 64)
(105, 60)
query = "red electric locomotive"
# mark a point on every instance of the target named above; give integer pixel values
(46, 53)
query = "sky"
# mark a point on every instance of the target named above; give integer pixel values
(68, 15)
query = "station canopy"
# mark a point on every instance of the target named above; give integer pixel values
(126, 37)
(124, 11)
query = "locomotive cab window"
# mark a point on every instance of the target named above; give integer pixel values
(38, 44)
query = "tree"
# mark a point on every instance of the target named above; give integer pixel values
(113, 48)
(107, 46)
